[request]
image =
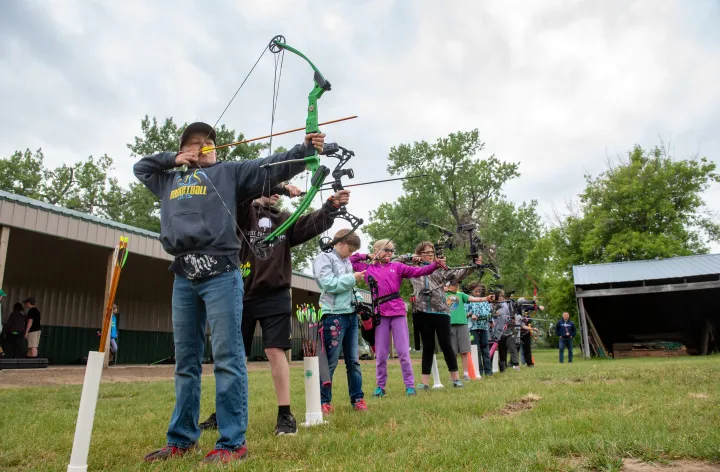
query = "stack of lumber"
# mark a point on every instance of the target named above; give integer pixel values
(595, 342)
(649, 349)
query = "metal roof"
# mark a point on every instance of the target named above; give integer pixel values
(74, 214)
(653, 269)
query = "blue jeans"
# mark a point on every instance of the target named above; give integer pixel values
(480, 339)
(341, 332)
(216, 299)
(566, 342)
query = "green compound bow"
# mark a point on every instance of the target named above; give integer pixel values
(312, 161)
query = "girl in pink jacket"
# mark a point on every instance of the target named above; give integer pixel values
(393, 312)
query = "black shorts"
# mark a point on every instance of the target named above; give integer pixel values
(275, 331)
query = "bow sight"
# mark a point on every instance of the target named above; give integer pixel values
(442, 242)
(343, 156)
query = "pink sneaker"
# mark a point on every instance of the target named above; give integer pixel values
(360, 405)
(327, 408)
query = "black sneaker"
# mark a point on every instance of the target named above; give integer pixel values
(286, 425)
(210, 423)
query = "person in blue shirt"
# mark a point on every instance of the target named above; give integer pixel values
(565, 330)
(114, 335)
(479, 314)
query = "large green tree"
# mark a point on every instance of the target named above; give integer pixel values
(646, 206)
(459, 187)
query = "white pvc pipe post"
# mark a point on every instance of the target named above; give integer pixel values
(476, 360)
(436, 374)
(313, 412)
(496, 363)
(86, 412)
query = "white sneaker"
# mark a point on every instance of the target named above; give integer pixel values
(466, 378)
(516, 367)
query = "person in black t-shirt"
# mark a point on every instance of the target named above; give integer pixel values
(32, 328)
(267, 298)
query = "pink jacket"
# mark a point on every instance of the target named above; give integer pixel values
(389, 277)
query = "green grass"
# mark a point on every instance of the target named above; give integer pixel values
(590, 415)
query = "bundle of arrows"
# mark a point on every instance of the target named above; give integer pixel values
(119, 258)
(311, 331)
(310, 328)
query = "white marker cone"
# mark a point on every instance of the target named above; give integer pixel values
(495, 363)
(313, 412)
(86, 412)
(476, 360)
(436, 374)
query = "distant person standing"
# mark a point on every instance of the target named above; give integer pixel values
(114, 335)
(32, 327)
(565, 330)
(14, 329)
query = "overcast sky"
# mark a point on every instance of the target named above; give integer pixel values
(556, 86)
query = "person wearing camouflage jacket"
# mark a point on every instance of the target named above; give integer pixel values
(431, 316)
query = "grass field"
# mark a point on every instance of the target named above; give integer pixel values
(589, 415)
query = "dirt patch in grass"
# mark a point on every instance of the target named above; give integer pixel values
(634, 465)
(74, 375)
(525, 403)
(570, 381)
(701, 396)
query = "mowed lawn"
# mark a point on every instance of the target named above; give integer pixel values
(588, 415)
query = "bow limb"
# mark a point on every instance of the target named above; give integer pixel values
(312, 160)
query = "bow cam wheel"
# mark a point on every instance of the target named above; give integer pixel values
(262, 250)
(273, 46)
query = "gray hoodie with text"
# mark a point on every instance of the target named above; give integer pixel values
(193, 218)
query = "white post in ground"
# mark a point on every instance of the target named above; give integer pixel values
(476, 360)
(313, 412)
(86, 412)
(436, 374)
(496, 363)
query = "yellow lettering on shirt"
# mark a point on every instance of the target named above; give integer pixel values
(188, 190)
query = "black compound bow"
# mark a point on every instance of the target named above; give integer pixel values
(343, 156)
(478, 246)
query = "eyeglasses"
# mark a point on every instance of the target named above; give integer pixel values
(428, 253)
(391, 251)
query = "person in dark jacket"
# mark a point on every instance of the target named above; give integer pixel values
(267, 285)
(565, 330)
(198, 216)
(430, 311)
(14, 330)
(504, 333)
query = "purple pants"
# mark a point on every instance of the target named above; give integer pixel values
(398, 327)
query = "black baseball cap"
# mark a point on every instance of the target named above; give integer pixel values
(197, 127)
(30, 300)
